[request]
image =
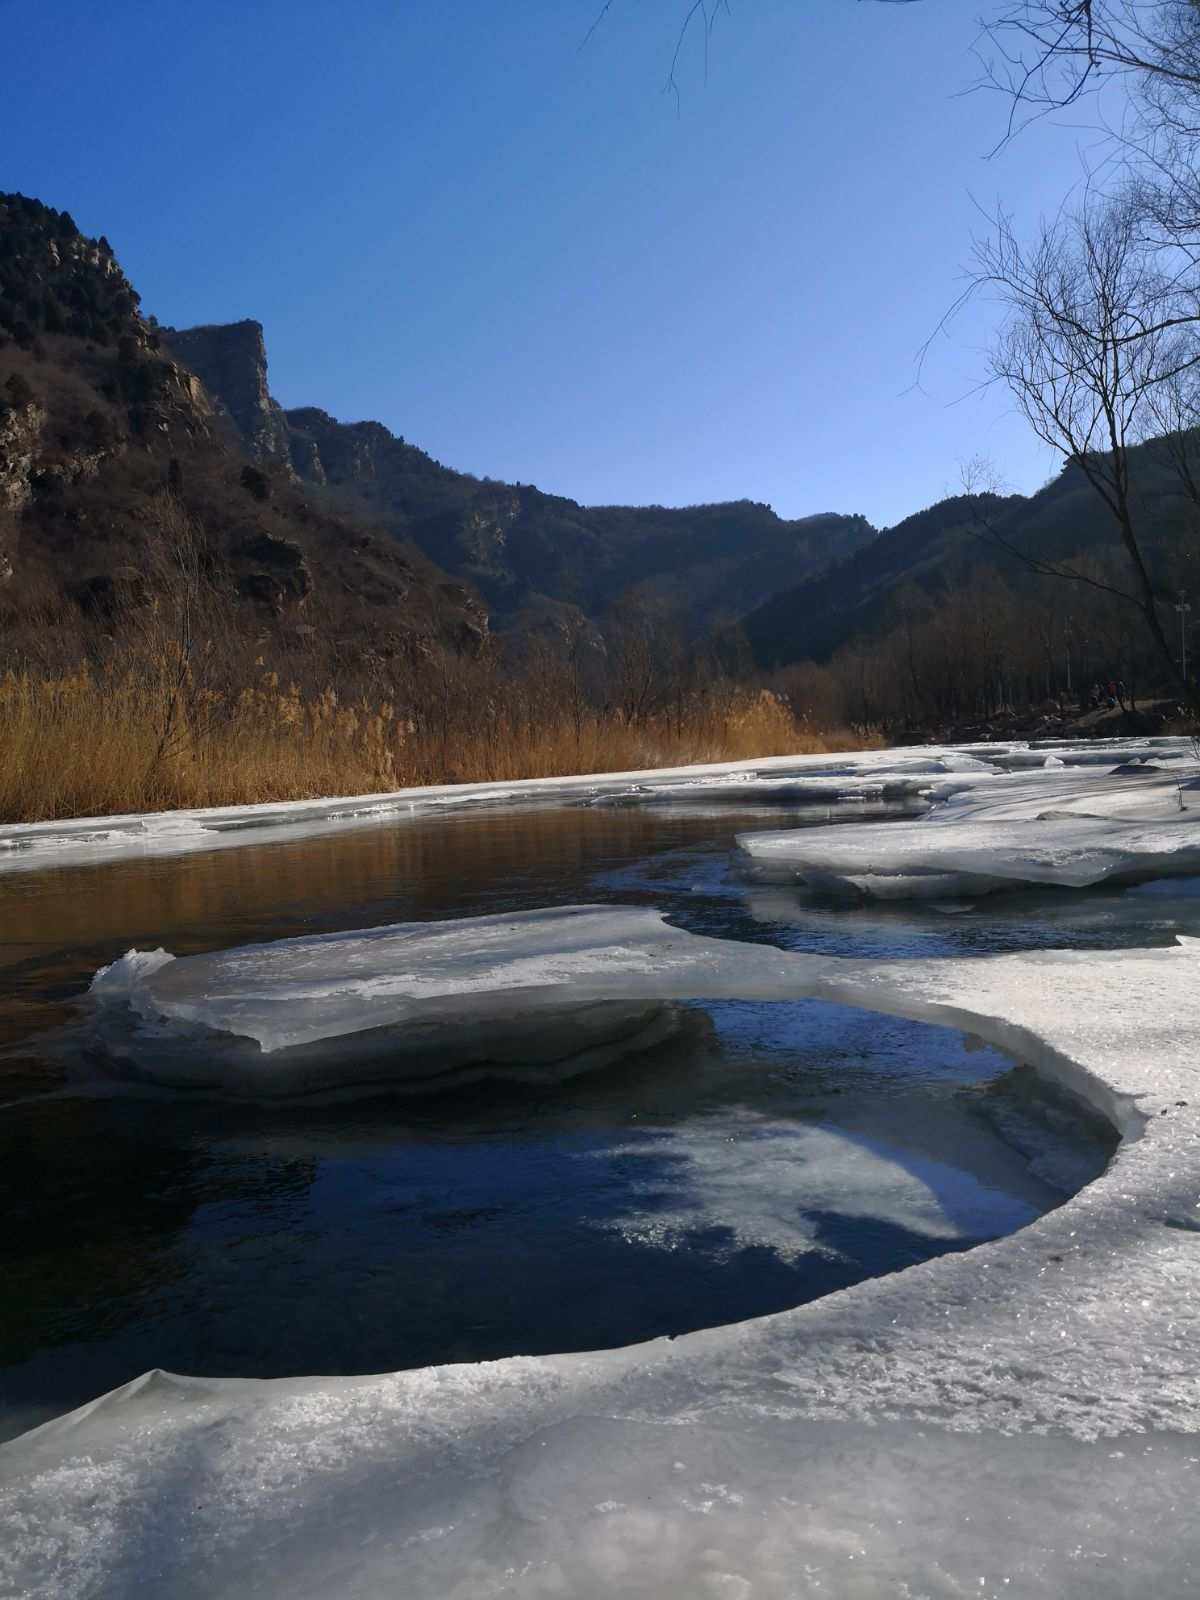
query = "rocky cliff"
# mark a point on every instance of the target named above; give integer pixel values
(230, 360)
(339, 528)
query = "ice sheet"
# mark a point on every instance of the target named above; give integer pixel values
(1021, 1419)
(908, 863)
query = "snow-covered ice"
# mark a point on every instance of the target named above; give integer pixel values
(1022, 1419)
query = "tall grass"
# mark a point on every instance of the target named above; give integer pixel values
(147, 737)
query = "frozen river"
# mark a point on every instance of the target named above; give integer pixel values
(771, 1153)
(755, 1156)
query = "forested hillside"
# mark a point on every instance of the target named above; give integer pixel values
(983, 603)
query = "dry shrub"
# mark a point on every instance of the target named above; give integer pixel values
(502, 744)
(95, 744)
(101, 742)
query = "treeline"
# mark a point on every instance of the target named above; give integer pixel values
(962, 658)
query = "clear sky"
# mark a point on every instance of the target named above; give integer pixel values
(524, 257)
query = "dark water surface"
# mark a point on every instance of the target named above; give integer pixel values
(768, 1155)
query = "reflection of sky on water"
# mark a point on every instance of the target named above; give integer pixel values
(773, 1154)
(769, 1183)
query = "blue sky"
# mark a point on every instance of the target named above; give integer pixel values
(524, 257)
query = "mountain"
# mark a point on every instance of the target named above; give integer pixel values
(518, 546)
(347, 545)
(958, 541)
(113, 451)
(935, 546)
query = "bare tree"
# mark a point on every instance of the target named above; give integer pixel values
(1047, 54)
(1093, 331)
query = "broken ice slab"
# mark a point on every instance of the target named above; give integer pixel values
(973, 855)
(423, 1004)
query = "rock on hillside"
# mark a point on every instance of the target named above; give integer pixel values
(231, 363)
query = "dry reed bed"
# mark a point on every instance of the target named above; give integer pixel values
(94, 743)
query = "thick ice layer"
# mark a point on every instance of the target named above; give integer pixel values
(829, 798)
(873, 783)
(911, 862)
(1021, 1419)
(1068, 829)
(418, 1001)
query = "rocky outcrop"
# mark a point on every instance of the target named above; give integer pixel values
(306, 458)
(230, 361)
(280, 573)
(185, 393)
(20, 434)
(327, 451)
(129, 454)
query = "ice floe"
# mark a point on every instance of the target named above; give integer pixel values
(928, 863)
(525, 993)
(1022, 1419)
(1066, 828)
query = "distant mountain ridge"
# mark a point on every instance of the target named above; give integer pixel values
(516, 544)
(346, 538)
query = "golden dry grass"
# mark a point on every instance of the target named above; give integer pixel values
(93, 744)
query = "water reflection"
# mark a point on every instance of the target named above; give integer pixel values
(776, 1153)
